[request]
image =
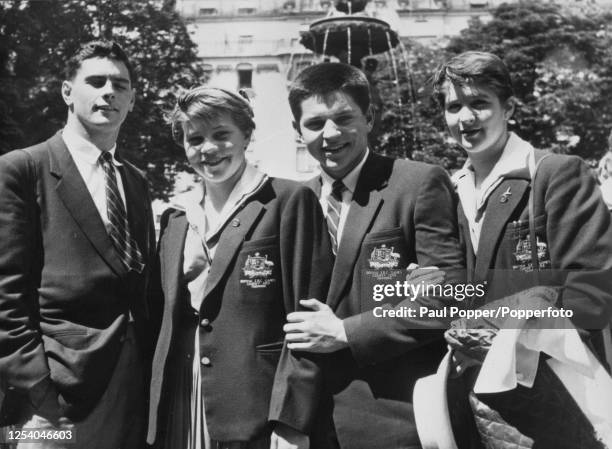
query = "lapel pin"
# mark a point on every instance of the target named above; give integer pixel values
(235, 222)
(505, 196)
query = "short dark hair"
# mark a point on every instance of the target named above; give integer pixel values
(207, 103)
(98, 49)
(473, 67)
(325, 78)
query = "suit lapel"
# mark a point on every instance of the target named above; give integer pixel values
(365, 204)
(498, 213)
(73, 192)
(230, 241)
(173, 251)
(464, 228)
(314, 184)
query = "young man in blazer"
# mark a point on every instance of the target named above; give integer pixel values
(386, 214)
(76, 236)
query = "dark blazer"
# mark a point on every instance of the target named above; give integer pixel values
(407, 207)
(250, 377)
(573, 222)
(64, 293)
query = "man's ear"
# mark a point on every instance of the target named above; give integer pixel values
(370, 114)
(509, 106)
(67, 92)
(132, 100)
(247, 138)
(296, 127)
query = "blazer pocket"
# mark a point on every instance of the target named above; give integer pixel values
(275, 347)
(259, 243)
(259, 271)
(387, 234)
(384, 250)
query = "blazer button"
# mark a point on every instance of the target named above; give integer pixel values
(205, 361)
(204, 322)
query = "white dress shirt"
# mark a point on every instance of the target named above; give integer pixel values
(515, 156)
(205, 226)
(350, 183)
(85, 155)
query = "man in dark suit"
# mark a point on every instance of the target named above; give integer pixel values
(76, 235)
(382, 214)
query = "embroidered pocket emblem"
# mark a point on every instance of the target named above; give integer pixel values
(258, 270)
(383, 257)
(522, 255)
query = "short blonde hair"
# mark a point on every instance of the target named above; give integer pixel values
(208, 103)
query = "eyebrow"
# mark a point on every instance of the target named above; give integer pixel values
(117, 79)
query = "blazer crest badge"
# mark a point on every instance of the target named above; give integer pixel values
(258, 271)
(384, 257)
(522, 254)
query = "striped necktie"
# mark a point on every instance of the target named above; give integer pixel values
(119, 232)
(334, 207)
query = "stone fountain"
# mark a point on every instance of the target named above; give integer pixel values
(350, 32)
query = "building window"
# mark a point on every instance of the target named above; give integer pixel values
(246, 11)
(403, 4)
(245, 39)
(224, 68)
(208, 11)
(478, 3)
(270, 67)
(245, 75)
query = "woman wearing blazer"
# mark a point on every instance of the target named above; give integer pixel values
(528, 218)
(233, 261)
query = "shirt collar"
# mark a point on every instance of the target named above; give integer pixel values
(515, 156)
(249, 183)
(350, 180)
(83, 150)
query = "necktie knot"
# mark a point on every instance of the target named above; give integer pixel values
(105, 158)
(338, 188)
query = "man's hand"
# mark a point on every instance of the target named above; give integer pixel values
(285, 437)
(318, 331)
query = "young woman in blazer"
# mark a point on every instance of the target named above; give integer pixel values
(233, 261)
(513, 199)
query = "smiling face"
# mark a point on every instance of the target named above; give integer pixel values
(215, 149)
(100, 95)
(335, 131)
(477, 119)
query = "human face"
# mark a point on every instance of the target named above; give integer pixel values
(215, 149)
(335, 131)
(477, 119)
(100, 95)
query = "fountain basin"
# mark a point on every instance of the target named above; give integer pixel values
(349, 37)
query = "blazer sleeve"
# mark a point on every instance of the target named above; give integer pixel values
(23, 364)
(579, 235)
(373, 340)
(306, 264)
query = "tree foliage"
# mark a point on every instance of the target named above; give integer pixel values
(36, 37)
(410, 125)
(561, 64)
